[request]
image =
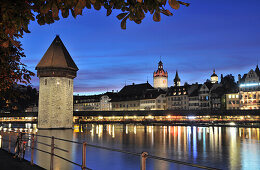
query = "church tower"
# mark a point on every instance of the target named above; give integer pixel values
(177, 80)
(214, 77)
(56, 71)
(160, 77)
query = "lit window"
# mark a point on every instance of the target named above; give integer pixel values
(233, 96)
(237, 96)
(229, 96)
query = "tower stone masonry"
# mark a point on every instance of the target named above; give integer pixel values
(56, 71)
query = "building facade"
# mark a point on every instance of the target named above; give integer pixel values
(249, 89)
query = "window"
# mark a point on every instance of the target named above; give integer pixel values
(45, 82)
(159, 101)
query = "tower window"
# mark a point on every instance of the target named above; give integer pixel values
(45, 82)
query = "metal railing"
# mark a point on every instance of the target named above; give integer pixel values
(51, 145)
(143, 156)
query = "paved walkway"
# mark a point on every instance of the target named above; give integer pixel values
(7, 162)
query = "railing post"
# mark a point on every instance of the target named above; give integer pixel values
(32, 149)
(9, 147)
(20, 139)
(143, 160)
(84, 147)
(52, 152)
(1, 139)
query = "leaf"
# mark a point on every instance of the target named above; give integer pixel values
(109, 11)
(157, 16)
(45, 8)
(93, 1)
(121, 16)
(184, 3)
(55, 10)
(73, 13)
(65, 12)
(40, 19)
(97, 5)
(5, 44)
(174, 4)
(88, 5)
(166, 12)
(137, 21)
(123, 23)
(79, 7)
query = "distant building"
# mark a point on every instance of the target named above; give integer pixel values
(177, 98)
(193, 95)
(249, 89)
(232, 101)
(153, 99)
(160, 77)
(93, 102)
(204, 96)
(214, 77)
(128, 98)
(87, 103)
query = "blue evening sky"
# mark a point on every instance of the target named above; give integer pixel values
(220, 34)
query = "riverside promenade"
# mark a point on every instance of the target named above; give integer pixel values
(9, 163)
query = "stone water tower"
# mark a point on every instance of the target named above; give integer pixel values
(56, 72)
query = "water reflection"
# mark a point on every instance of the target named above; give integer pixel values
(220, 147)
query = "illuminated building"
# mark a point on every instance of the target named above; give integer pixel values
(177, 98)
(204, 95)
(232, 101)
(249, 89)
(128, 98)
(93, 102)
(193, 95)
(160, 77)
(153, 99)
(85, 103)
(56, 71)
(217, 97)
(214, 77)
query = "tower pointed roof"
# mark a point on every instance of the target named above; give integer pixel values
(57, 62)
(177, 78)
(57, 56)
(160, 71)
(214, 74)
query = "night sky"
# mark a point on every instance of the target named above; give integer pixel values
(208, 34)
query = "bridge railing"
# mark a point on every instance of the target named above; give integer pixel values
(143, 156)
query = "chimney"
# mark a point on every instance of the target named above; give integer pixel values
(133, 84)
(112, 91)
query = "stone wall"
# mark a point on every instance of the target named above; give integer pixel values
(55, 102)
